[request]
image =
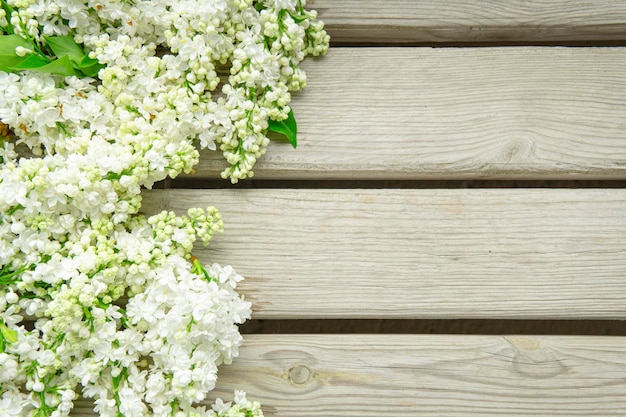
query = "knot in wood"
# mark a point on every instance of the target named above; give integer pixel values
(518, 150)
(299, 374)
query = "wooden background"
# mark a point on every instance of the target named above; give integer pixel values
(449, 238)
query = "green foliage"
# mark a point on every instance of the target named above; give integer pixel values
(64, 45)
(287, 128)
(7, 336)
(8, 56)
(89, 66)
(61, 66)
(8, 276)
(68, 57)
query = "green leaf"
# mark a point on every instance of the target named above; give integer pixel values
(89, 66)
(87, 62)
(64, 45)
(92, 71)
(8, 43)
(7, 62)
(30, 62)
(7, 334)
(298, 18)
(61, 66)
(287, 128)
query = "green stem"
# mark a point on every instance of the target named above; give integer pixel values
(116, 383)
(199, 269)
(9, 11)
(8, 277)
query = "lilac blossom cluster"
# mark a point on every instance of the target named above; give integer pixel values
(97, 299)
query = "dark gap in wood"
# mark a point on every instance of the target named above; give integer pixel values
(384, 43)
(447, 326)
(190, 182)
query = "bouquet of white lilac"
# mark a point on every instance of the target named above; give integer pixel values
(110, 97)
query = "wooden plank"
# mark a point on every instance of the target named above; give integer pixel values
(457, 253)
(400, 21)
(428, 375)
(421, 113)
(411, 375)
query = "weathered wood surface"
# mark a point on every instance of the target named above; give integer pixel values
(411, 375)
(401, 21)
(422, 113)
(428, 375)
(491, 253)
(419, 113)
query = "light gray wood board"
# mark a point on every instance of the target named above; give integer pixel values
(422, 113)
(427, 375)
(401, 21)
(456, 253)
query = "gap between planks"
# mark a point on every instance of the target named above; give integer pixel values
(458, 326)
(200, 183)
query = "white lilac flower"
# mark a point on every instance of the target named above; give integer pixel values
(10, 406)
(122, 312)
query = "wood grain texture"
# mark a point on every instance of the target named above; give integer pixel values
(401, 21)
(495, 253)
(421, 113)
(424, 375)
